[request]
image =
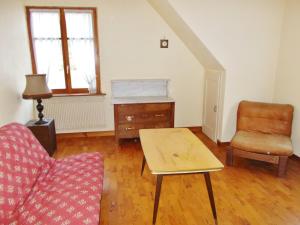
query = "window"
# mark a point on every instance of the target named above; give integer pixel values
(64, 45)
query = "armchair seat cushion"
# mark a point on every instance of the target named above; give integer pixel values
(271, 144)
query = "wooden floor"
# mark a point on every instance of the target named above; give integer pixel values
(248, 193)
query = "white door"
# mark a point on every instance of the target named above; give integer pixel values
(211, 104)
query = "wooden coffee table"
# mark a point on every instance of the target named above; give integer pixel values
(177, 151)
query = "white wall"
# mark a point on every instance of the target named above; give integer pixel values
(200, 51)
(129, 48)
(244, 36)
(14, 63)
(288, 73)
(184, 32)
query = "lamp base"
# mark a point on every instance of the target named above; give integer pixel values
(40, 108)
(41, 121)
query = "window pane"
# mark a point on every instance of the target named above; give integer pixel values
(45, 23)
(46, 36)
(81, 48)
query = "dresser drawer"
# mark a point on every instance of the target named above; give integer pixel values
(128, 126)
(129, 130)
(166, 124)
(137, 126)
(132, 130)
(155, 116)
(147, 107)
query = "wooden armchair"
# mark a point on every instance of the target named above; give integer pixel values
(263, 133)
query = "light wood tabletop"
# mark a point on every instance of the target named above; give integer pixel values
(176, 151)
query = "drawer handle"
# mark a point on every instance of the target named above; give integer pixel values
(129, 118)
(129, 128)
(159, 115)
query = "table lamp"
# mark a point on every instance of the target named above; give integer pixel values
(36, 88)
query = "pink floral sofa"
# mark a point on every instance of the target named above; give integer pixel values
(36, 189)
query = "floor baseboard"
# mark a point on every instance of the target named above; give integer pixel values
(195, 129)
(86, 134)
(104, 133)
(295, 157)
(223, 144)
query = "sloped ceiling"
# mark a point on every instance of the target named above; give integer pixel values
(186, 34)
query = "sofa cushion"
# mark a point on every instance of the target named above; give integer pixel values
(272, 144)
(22, 161)
(69, 194)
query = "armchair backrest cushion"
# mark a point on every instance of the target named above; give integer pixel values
(22, 160)
(267, 118)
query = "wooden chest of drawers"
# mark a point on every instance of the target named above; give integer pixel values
(129, 118)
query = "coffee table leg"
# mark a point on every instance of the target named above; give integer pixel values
(211, 196)
(143, 165)
(157, 194)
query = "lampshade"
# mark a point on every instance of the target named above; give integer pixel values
(36, 87)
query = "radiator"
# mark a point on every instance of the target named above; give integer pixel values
(76, 114)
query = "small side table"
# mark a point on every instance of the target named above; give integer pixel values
(45, 133)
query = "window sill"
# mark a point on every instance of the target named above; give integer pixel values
(79, 94)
